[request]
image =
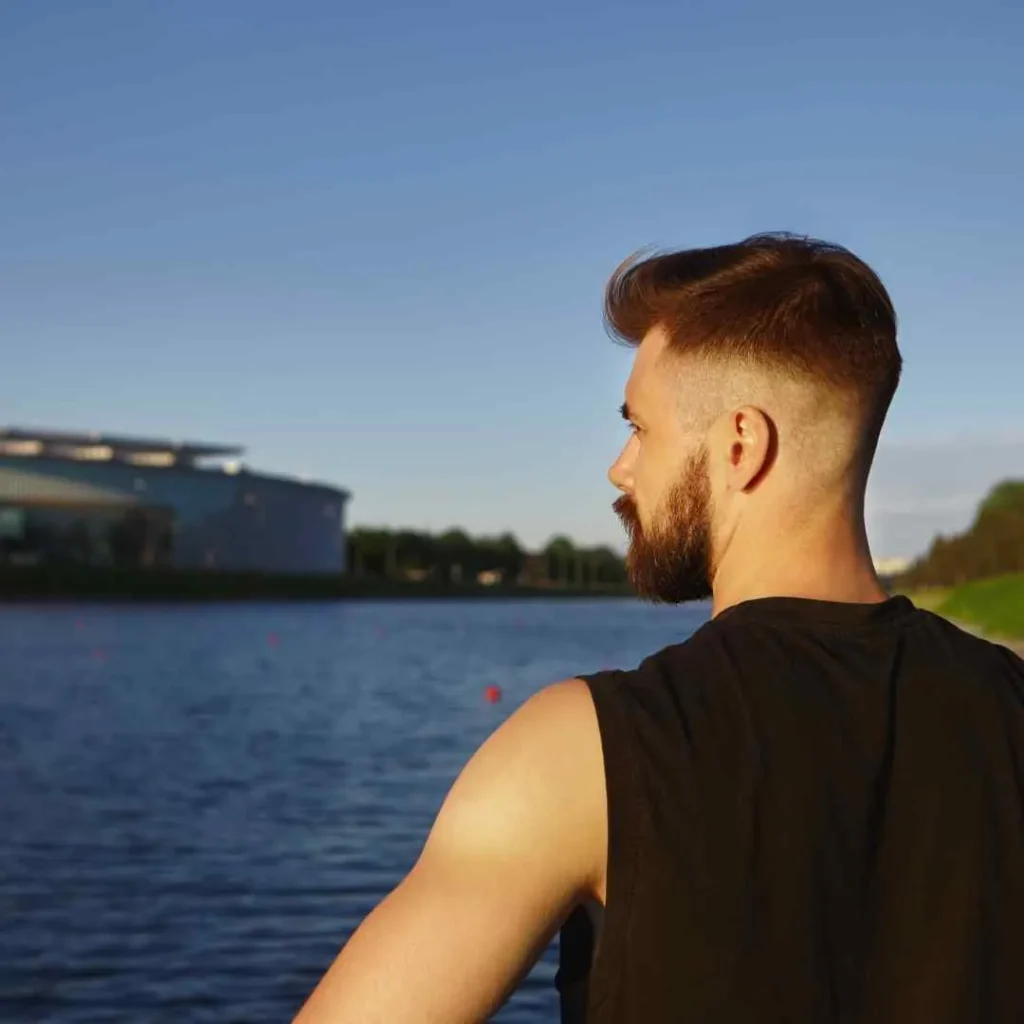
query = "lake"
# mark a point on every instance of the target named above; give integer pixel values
(200, 803)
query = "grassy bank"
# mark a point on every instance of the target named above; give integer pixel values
(995, 606)
(81, 583)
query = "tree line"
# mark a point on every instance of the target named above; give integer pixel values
(455, 556)
(992, 546)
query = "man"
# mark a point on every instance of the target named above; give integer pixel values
(813, 809)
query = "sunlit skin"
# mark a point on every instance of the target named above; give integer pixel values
(785, 483)
(522, 837)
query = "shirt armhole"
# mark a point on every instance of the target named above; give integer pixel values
(609, 691)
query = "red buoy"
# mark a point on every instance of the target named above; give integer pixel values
(493, 694)
(273, 639)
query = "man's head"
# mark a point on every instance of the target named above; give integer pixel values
(763, 374)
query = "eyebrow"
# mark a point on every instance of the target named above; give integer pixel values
(626, 414)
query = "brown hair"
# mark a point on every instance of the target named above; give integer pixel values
(804, 307)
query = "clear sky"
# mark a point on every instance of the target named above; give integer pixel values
(369, 241)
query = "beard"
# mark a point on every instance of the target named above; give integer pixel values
(671, 562)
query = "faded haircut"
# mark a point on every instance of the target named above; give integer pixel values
(805, 308)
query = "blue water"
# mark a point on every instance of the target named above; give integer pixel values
(199, 804)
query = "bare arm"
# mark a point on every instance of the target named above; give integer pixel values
(520, 840)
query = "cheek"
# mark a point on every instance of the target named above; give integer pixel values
(655, 468)
(652, 478)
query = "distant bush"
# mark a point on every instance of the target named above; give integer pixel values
(992, 546)
(455, 557)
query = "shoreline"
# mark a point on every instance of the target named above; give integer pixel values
(53, 584)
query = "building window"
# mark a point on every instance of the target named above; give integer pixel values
(12, 523)
(132, 536)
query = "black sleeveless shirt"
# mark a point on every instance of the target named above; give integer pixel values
(816, 813)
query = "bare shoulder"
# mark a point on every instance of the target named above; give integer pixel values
(535, 788)
(519, 841)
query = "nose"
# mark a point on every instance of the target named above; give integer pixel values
(620, 474)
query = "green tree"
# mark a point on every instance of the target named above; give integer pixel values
(372, 552)
(562, 560)
(454, 555)
(415, 552)
(456, 551)
(992, 546)
(608, 568)
(1006, 496)
(512, 556)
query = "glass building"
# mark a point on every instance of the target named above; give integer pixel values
(98, 499)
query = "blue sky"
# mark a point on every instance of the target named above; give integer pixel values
(370, 241)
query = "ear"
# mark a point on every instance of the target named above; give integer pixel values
(748, 440)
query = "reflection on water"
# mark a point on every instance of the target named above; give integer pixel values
(200, 803)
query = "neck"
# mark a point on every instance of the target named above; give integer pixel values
(824, 558)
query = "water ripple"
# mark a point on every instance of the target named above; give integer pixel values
(197, 814)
